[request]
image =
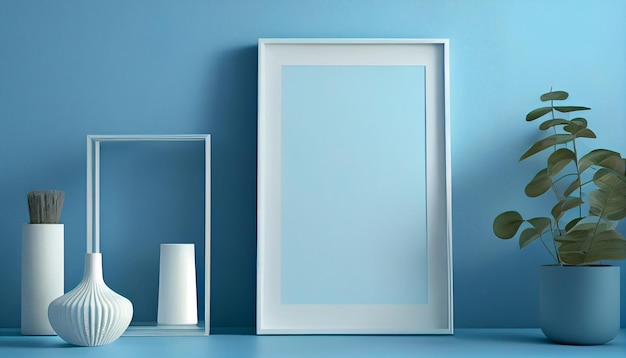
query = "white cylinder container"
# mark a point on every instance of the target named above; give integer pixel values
(178, 302)
(42, 275)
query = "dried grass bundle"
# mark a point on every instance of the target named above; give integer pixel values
(44, 206)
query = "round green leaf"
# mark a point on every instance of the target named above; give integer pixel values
(540, 223)
(609, 180)
(539, 184)
(584, 133)
(604, 158)
(565, 109)
(607, 245)
(559, 160)
(572, 257)
(580, 121)
(547, 142)
(554, 96)
(505, 225)
(539, 112)
(609, 200)
(553, 122)
(572, 223)
(572, 187)
(564, 205)
(527, 236)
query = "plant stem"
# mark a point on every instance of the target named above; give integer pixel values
(548, 249)
(578, 174)
(552, 182)
(559, 197)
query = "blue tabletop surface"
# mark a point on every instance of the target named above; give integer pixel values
(464, 343)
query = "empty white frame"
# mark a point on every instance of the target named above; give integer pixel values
(354, 189)
(93, 220)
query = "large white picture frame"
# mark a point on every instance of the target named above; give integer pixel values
(93, 221)
(354, 189)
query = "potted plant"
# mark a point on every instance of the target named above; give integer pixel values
(579, 296)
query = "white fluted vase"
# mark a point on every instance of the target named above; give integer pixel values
(91, 314)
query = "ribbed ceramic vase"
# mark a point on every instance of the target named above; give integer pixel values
(91, 314)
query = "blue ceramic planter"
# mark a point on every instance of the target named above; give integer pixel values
(580, 304)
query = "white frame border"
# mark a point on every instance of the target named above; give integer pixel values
(93, 220)
(276, 318)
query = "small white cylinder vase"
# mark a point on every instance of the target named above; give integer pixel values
(178, 302)
(42, 275)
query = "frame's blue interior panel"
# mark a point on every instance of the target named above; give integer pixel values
(354, 185)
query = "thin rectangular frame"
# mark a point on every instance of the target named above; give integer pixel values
(93, 220)
(274, 317)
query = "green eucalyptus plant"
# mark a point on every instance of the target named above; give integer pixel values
(590, 191)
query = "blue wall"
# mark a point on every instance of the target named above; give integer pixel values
(69, 68)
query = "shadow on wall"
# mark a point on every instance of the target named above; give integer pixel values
(232, 114)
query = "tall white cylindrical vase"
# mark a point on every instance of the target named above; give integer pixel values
(178, 302)
(42, 275)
